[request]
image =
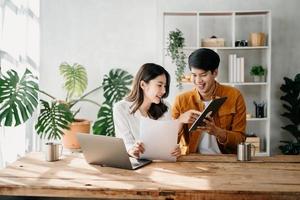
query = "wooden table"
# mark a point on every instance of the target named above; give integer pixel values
(206, 177)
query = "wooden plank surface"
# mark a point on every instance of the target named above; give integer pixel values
(212, 177)
(232, 158)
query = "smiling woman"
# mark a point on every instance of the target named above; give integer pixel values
(146, 99)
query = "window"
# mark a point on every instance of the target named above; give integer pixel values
(19, 49)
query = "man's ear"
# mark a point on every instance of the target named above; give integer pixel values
(215, 73)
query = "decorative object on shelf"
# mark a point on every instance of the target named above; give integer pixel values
(241, 43)
(257, 39)
(258, 73)
(175, 50)
(291, 104)
(259, 109)
(213, 41)
(255, 141)
(19, 98)
(186, 78)
(236, 70)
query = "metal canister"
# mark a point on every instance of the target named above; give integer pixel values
(52, 151)
(244, 152)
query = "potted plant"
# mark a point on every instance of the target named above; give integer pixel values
(291, 104)
(19, 98)
(258, 73)
(175, 50)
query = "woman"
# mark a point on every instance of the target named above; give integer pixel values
(150, 87)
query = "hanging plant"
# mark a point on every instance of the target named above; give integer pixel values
(175, 51)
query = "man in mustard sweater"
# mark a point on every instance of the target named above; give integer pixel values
(226, 129)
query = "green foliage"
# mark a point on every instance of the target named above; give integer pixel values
(175, 51)
(291, 104)
(75, 79)
(53, 119)
(18, 97)
(115, 87)
(257, 70)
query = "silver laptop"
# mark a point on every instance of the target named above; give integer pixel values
(107, 151)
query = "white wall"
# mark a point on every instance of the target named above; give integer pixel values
(98, 34)
(102, 34)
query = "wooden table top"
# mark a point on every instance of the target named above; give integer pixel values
(209, 177)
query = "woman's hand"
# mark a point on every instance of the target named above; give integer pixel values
(136, 150)
(189, 116)
(176, 152)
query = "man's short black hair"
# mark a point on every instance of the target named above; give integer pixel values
(205, 59)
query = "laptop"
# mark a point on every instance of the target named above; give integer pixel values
(108, 151)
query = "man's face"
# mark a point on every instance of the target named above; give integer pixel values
(203, 80)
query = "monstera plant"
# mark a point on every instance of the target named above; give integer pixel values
(19, 98)
(114, 89)
(291, 104)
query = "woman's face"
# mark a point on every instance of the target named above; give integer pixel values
(154, 89)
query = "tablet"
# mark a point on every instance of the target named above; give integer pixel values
(210, 110)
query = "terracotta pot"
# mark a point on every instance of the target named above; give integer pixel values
(69, 139)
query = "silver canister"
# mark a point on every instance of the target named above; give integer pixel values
(244, 152)
(52, 151)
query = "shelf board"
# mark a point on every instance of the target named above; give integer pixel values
(262, 153)
(245, 83)
(233, 84)
(257, 119)
(186, 13)
(225, 48)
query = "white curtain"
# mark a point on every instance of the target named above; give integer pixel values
(19, 49)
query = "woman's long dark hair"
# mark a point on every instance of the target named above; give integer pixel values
(146, 73)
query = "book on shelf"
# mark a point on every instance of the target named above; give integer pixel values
(236, 69)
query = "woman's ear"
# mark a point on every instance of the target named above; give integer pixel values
(143, 84)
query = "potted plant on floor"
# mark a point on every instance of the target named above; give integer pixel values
(19, 98)
(175, 51)
(291, 104)
(258, 73)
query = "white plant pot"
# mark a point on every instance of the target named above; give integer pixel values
(257, 78)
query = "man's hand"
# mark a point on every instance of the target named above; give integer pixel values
(211, 128)
(189, 116)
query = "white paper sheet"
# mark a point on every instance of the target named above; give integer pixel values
(159, 138)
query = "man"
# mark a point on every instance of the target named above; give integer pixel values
(223, 132)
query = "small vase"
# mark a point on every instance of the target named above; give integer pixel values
(257, 78)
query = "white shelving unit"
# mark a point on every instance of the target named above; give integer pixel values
(232, 26)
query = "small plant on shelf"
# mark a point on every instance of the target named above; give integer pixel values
(175, 50)
(258, 72)
(291, 104)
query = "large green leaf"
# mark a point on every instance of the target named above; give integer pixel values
(291, 99)
(104, 124)
(18, 97)
(115, 85)
(75, 79)
(53, 119)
